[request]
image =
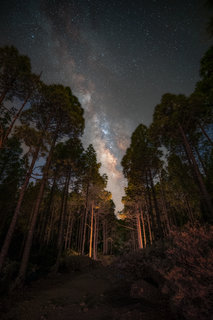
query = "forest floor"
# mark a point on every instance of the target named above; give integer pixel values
(100, 293)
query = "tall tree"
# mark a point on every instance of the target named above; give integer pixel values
(66, 120)
(171, 124)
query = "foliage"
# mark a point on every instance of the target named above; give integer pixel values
(191, 272)
(181, 267)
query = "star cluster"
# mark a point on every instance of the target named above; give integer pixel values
(118, 57)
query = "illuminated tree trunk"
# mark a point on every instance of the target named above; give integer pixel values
(95, 237)
(143, 225)
(85, 221)
(91, 230)
(140, 242)
(80, 232)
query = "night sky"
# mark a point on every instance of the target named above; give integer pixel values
(118, 57)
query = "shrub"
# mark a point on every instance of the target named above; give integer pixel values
(191, 272)
(181, 267)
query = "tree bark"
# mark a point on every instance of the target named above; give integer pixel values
(143, 225)
(91, 230)
(80, 233)
(3, 95)
(201, 160)
(14, 120)
(140, 242)
(149, 227)
(203, 189)
(156, 206)
(68, 230)
(150, 209)
(63, 212)
(205, 133)
(191, 217)
(70, 233)
(85, 221)
(48, 235)
(164, 204)
(95, 237)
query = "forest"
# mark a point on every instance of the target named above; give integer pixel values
(54, 203)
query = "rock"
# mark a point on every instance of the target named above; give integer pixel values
(144, 290)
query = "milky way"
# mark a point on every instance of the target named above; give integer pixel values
(118, 57)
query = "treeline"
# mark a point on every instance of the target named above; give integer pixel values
(169, 165)
(53, 198)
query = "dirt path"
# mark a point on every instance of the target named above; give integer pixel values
(81, 296)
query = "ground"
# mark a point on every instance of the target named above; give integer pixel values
(100, 293)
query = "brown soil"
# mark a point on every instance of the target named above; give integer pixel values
(97, 294)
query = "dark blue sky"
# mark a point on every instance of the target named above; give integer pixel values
(118, 57)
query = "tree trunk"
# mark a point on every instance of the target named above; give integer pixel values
(150, 209)
(91, 230)
(63, 212)
(205, 133)
(68, 230)
(149, 227)
(143, 225)
(105, 247)
(104, 237)
(203, 189)
(160, 232)
(3, 95)
(201, 160)
(70, 233)
(49, 211)
(48, 235)
(133, 240)
(95, 237)
(85, 221)
(140, 242)
(80, 233)
(188, 208)
(12, 226)
(163, 199)
(14, 120)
